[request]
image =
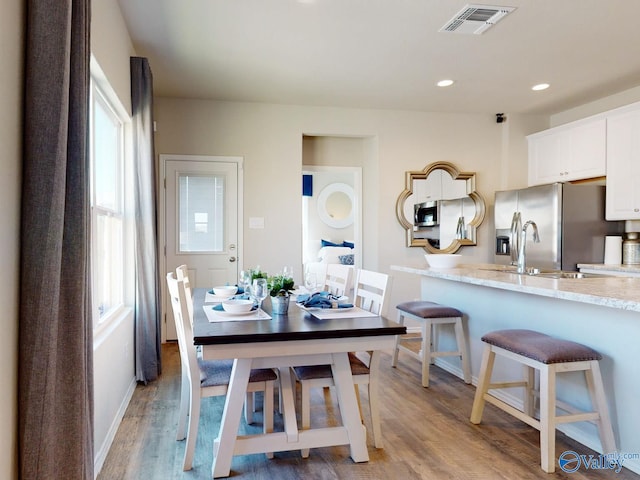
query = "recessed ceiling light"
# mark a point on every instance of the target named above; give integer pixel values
(540, 86)
(445, 83)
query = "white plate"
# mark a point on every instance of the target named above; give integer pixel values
(224, 313)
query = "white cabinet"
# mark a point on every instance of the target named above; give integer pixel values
(433, 186)
(573, 151)
(623, 165)
(439, 185)
(453, 189)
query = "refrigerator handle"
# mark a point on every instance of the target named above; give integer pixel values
(514, 241)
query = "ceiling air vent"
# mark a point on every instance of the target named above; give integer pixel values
(475, 19)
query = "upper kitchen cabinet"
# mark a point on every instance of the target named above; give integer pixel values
(623, 165)
(569, 152)
(439, 185)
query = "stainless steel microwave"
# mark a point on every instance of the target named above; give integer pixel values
(426, 214)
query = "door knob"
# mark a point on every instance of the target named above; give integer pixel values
(232, 259)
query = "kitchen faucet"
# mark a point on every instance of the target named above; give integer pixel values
(522, 261)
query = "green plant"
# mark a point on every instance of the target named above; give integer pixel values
(257, 273)
(279, 284)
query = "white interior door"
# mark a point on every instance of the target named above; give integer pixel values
(201, 221)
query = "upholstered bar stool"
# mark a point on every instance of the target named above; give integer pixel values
(430, 315)
(550, 356)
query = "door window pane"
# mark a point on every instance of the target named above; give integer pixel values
(201, 213)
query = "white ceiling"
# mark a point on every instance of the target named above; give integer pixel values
(387, 53)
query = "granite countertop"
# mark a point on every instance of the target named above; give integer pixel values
(608, 291)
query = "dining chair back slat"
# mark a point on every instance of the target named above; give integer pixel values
(370, 291)
(182, 273)
(337, 281)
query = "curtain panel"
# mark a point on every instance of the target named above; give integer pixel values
(55, 377)
(147, 299)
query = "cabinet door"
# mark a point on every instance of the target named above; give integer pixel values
(453, 189)
(433, 186)
(548, 155)
(623, 166)
(587, 150)
(570, 152)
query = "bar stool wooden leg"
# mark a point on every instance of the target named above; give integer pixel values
(486, 368)
(548, 418)
(426, 352)
(462, 348)
(396, 347)
(529, 404)
(599, 402)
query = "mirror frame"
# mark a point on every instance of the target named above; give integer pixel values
(470, 178)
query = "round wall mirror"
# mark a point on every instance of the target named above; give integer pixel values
(440, 208)
(335, 205)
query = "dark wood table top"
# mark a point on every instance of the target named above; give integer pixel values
(296, 325)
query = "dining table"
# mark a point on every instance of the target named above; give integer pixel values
(299, 337)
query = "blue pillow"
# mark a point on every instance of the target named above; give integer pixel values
(348, 244)
(346, 259)
(327, 243)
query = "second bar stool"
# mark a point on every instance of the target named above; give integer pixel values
(430, 315)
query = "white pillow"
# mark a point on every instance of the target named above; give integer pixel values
(331, 254)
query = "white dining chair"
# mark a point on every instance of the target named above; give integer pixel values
(182, 273)
(370, 293)
(207, 378)
(338, 278)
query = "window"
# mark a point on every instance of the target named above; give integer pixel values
(107, 206)
(201, 213)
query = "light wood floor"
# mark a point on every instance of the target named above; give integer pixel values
(427, 436)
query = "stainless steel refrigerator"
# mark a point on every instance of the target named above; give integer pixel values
(570, 220)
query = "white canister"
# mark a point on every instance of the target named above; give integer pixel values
(613, 250)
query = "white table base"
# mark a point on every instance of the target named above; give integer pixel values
(283, 355)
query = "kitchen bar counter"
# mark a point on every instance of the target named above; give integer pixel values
(602, 312)
(609, 291)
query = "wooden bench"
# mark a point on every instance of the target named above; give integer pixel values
(549, 356)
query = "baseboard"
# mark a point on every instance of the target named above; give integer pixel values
(103, 451)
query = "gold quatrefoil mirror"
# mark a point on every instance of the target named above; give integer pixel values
(440, 208)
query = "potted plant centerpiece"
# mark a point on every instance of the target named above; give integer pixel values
(279, 286)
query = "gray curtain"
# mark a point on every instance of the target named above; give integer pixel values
(55, 382)
(147, 308)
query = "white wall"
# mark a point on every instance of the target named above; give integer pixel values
(269, 137)
(602, 105)
(11, 53)
(113, 355)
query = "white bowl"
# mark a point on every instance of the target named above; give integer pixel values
(443, 260)
(237, 306)
(225, 290)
